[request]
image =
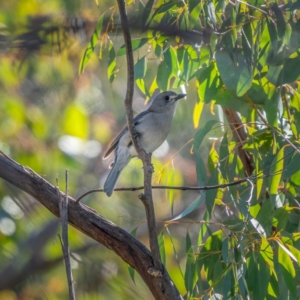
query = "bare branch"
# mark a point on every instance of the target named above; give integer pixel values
(144, 156)
(240, 136)
(63, 211)
(181, 188)
(91, 224)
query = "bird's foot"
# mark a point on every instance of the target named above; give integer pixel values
(151, 168)
(135, 134)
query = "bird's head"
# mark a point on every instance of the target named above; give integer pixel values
(165, 101)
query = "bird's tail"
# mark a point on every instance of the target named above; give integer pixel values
(119, 164)
(111, 181)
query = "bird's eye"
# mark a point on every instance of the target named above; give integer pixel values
(167, 97)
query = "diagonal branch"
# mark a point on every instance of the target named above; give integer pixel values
(146, 198)
(91, 224)
(240, 137)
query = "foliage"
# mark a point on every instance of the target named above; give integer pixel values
(237, 55)
(246, 58)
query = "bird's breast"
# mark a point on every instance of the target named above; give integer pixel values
(154, 130)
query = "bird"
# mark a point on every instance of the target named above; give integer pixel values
(152, 127)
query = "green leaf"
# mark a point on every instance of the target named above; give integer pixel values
(287, 36)
(233, 24)
(273, 288)
(190, 276)
(234, 71)
(276, 171)
(142, 86)
(171, 62)
(221, 6)
(198, 109)
(133, 231)
(232, 168)
(230, 100)
(271, 107)
(262, 278)
(265, 214)
(140, 68)
(194, 14)
(227, 285)
(162, 250)
(289, 72)
(280, 218)
(91, 46)
(226, 251)
(190, 208)
(258, 170)
(211, 194)
(273, 35)
(287, 268)
(192, 4)
(146, 13)
(111, 70)
(174, 249)
(136, 44)
(208, 83)
(247, 48)
(165, 7)
(210, 253)
(281, 25)
(193, 62)
(256, 93)
(157, 50)
(203, 228)
(200, 134)
(163, 76)
(266, 252)
(131, 271)
(274, 75)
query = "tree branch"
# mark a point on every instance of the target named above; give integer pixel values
(240, 137)
(63, 211)
(87, 221)
(180, 188)
(143, 155)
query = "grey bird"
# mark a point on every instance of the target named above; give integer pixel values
(152, 126)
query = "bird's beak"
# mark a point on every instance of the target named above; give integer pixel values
(179, 96)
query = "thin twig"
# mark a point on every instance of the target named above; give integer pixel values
(144, 156)
(63, 208)
(181, 188)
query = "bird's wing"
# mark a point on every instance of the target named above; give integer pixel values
(115, 142)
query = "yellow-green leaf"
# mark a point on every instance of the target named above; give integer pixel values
(277, 171)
